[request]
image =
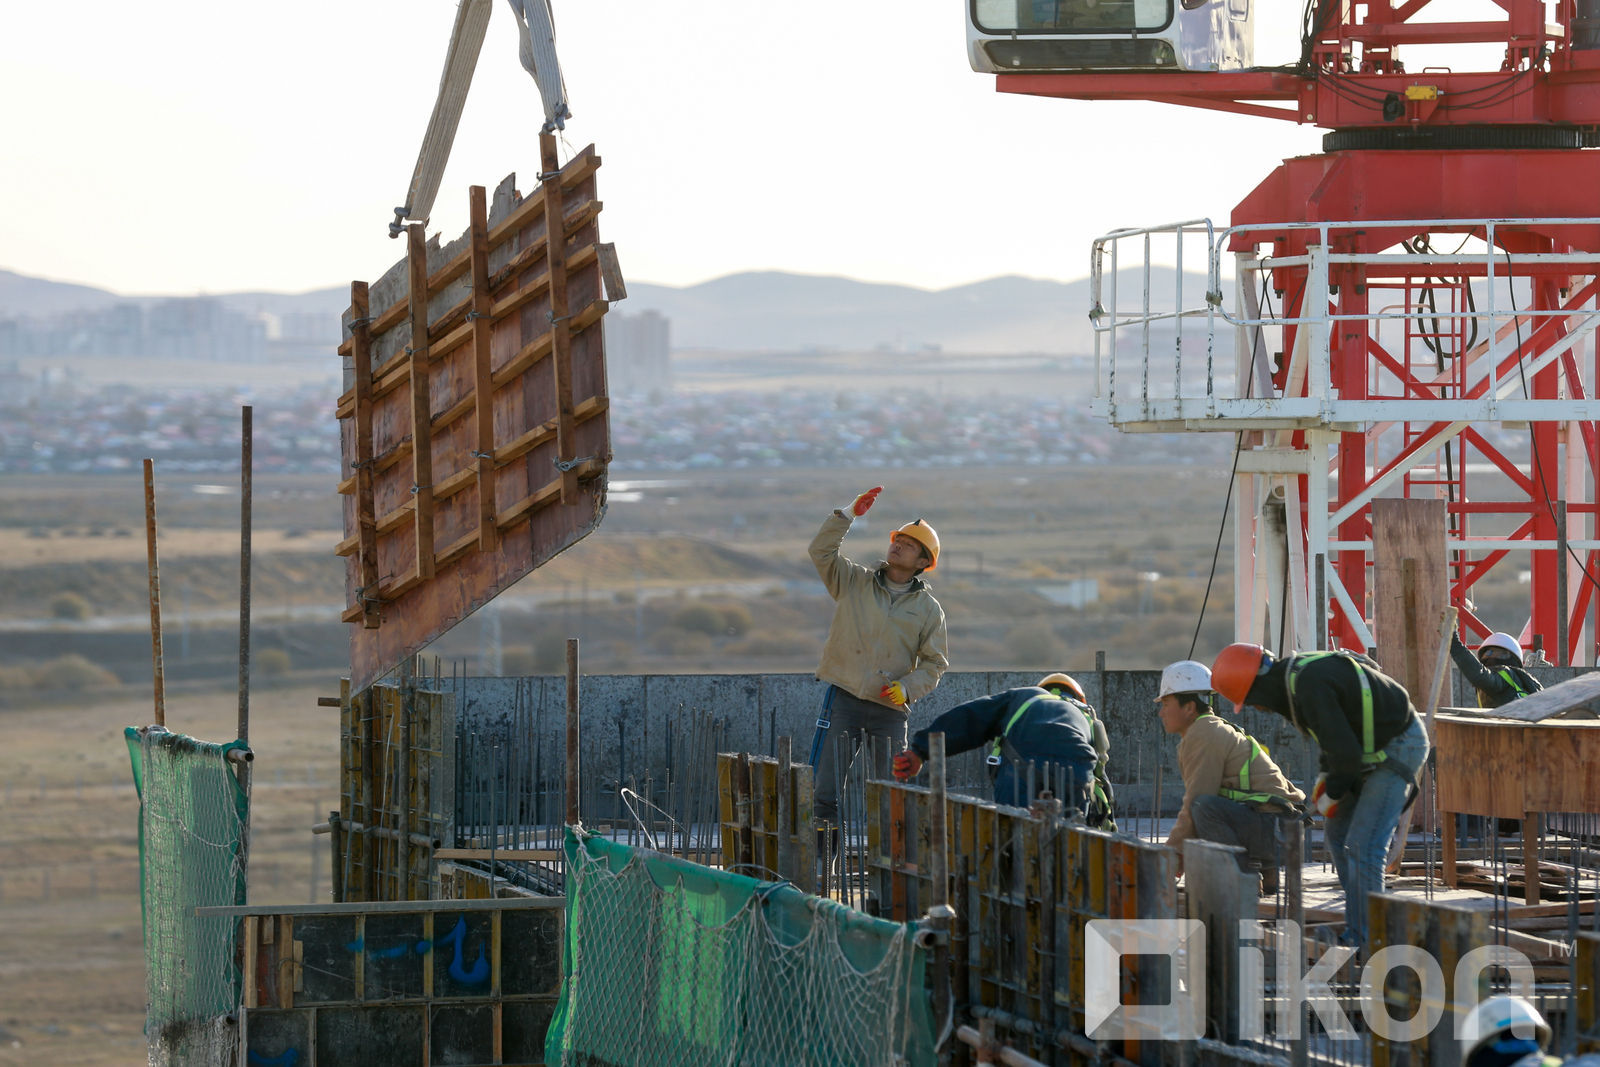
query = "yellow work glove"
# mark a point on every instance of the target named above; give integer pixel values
(894, 693)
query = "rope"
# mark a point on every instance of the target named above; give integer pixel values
(536, 47)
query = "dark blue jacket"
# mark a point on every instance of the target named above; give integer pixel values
(1051, 730)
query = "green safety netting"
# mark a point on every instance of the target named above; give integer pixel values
(668, 962)
(192, 818)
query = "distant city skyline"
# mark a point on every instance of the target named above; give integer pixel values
(189, 148)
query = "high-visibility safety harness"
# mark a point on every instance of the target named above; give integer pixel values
(1370, 754)
(1003, 742)
(1243, 794)
(1507, 675)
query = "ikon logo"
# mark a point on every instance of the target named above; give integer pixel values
(1182, 1017)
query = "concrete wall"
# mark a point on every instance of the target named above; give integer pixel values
(634, 725)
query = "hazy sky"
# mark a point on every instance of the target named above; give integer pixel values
(184, 147)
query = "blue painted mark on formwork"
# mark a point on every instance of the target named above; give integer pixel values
(480, 968)
(286, 1059)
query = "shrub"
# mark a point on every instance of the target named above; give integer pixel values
(70, 606)
(699, 619)
(72, 671)
(273, 662)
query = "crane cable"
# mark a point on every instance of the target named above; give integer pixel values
(537, 51)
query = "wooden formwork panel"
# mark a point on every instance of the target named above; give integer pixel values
(1024, 888)
(768, 826)
(446, 983)
(397, 789)
(1586, 992)
(474, 427)
(1446, 934)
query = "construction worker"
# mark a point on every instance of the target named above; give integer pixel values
(885, 648)
(1233, 793)
(1507, 1031)
(1372, 744)
(1101, 796)
(1496, 672)
(1024, 725)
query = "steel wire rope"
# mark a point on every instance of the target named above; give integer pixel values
(1533, 450)
(1233, 474)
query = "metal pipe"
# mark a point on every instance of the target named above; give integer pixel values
(388, 834)
(245, 463)
(1000, 1053)
(940, 914)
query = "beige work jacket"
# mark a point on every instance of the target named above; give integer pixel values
(1210, 756)
(875, 639)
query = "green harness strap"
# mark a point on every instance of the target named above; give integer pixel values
(1511, 680)
(1368, 755)
(1243, 793)
(994, 754)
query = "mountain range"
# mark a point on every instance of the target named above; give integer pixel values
(752, 311)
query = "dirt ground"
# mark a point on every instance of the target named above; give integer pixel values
(71, 957)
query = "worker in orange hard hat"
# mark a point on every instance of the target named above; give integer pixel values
(885, 648)
(1373, 748)
(1039, 737)
(1496, 672)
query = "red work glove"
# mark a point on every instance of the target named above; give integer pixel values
(1321, 802)
(906, 765)
(894, 693)
(864, 502)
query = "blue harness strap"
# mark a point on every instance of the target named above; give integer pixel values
(823, 722)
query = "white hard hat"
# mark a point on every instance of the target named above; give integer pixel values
(1499, 1018)
(1185, 676)
(1501, 641)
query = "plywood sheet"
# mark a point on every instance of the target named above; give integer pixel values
(441, 510)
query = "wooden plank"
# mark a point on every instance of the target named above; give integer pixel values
(560, 331)
(421, 412)
(1556, 700)
(1406, 620)
(366, 521)
(482, 375)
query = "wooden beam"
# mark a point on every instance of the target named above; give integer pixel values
(560, 327)
(366, 519)
(394, 374)
(455, 483)
(577, 169)
(482, 377)
(421, 416)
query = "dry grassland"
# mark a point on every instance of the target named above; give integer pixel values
(71, 958)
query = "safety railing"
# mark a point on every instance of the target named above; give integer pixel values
(1145, 357)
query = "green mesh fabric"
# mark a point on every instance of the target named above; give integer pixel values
(192, 816)
(667, 962)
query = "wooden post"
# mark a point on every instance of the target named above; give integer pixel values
(366, 519)
(246, 461)
(786, 814)
(482, 315)
(560, 317)
(155, 593)
(572, 731)
(421, 405)
(246, 775)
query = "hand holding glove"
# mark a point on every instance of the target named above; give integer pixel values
(894, 693)
(906, 765)
(1322, 801)
(863, 503)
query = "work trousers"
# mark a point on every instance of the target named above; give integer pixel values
(1359, 835)
(1233, 822)
(850, 720)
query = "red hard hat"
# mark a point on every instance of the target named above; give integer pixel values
(1235, 670)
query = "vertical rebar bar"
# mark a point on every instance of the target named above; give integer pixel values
(572, 731)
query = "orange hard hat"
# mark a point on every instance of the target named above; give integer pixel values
(1063, 681)
(1236, 669)
(920, 532)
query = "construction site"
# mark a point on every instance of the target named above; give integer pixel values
(602, 868)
